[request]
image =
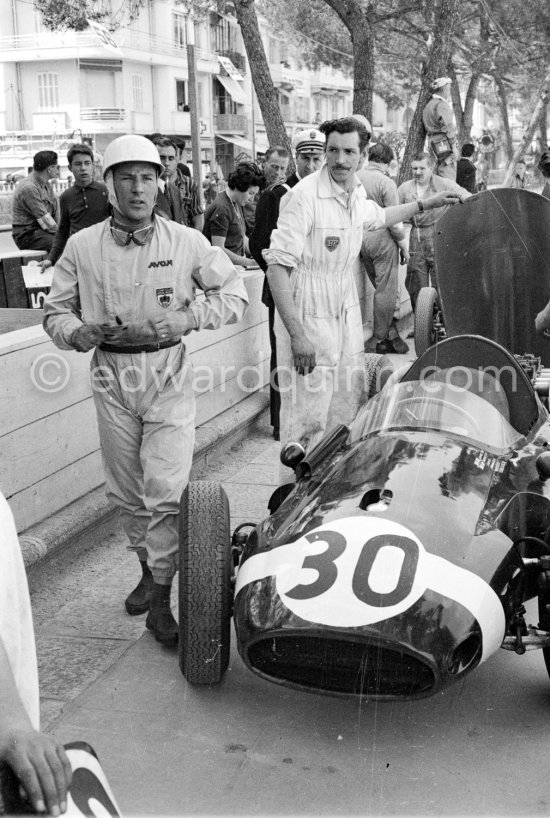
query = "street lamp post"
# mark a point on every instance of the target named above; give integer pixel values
(193, 105)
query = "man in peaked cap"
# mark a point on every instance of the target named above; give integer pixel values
(309, 146)
(440, 126)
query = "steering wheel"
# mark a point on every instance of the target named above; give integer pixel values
(407, 403)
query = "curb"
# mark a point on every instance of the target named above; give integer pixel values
(71, 527)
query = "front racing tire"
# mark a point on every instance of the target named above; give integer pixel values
(378, 369)
(204, 583)
(544, 623)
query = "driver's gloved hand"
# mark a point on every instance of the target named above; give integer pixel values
(86, 337)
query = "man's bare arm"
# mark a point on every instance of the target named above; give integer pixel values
(401, 212)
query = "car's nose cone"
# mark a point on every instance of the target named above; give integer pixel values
(359, 606)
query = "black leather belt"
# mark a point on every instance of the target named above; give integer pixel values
(139, 347)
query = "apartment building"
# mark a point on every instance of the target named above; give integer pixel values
(57, 87)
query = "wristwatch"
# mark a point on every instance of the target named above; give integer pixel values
(420, 204)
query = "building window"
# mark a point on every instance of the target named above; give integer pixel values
(48, 92)
(335, 107)
(199, 34)
(302, 109)
(137, 92)
(318, 108)
(223, 103)
(101, 83)
(182, 96)
(222, 34)
(274, 51)
(179, 22)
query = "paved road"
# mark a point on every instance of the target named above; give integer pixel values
(252, 747)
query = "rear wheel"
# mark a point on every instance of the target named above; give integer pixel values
(425, 319)
(204, 583)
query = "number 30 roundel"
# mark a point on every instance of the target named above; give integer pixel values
(359, 570)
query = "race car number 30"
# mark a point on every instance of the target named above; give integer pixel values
(361, 570)
(351, 572)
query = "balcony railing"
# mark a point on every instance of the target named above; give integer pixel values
(230, 123)
(102, 114)
(126, 39)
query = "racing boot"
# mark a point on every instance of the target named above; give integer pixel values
(370, 345)
(160, 619)
(137, 602)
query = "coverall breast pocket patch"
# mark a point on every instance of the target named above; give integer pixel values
(332, 242)
(165, 296)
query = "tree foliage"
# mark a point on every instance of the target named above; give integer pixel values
(496, 50)
(59, 15)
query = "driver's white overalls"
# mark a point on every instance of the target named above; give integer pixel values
(318, 236)
(144, 400)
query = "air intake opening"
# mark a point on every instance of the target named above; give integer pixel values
(465, 655)
(338, 666)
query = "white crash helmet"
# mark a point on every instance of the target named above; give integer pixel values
(130, 148)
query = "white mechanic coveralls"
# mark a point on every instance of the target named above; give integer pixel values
(16, 629)
(144, 401)
(318, 236)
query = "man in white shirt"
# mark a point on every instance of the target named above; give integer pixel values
(439, 121)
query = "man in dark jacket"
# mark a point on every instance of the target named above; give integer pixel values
(466, 171)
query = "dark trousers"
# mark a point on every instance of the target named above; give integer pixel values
(33, 239)
(420, 269)
(274, 394)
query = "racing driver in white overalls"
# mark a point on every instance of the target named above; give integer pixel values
(127, 287)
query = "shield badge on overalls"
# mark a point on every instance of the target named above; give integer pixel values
(165, 296)
(332, 242)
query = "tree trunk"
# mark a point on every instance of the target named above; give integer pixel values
(261, 77)
(530, 130)
(543, 129)
(503, 108)
(439, 51)
(357, 21)
(464, 116)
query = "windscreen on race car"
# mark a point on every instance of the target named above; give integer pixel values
(441, 406)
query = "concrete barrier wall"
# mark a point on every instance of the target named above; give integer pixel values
(49, 448)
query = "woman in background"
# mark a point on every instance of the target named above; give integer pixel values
(224, 221)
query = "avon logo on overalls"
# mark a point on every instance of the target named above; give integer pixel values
(160, 264)
(165, 296)
(332, 242)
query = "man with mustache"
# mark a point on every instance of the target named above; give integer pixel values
(310, 261)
